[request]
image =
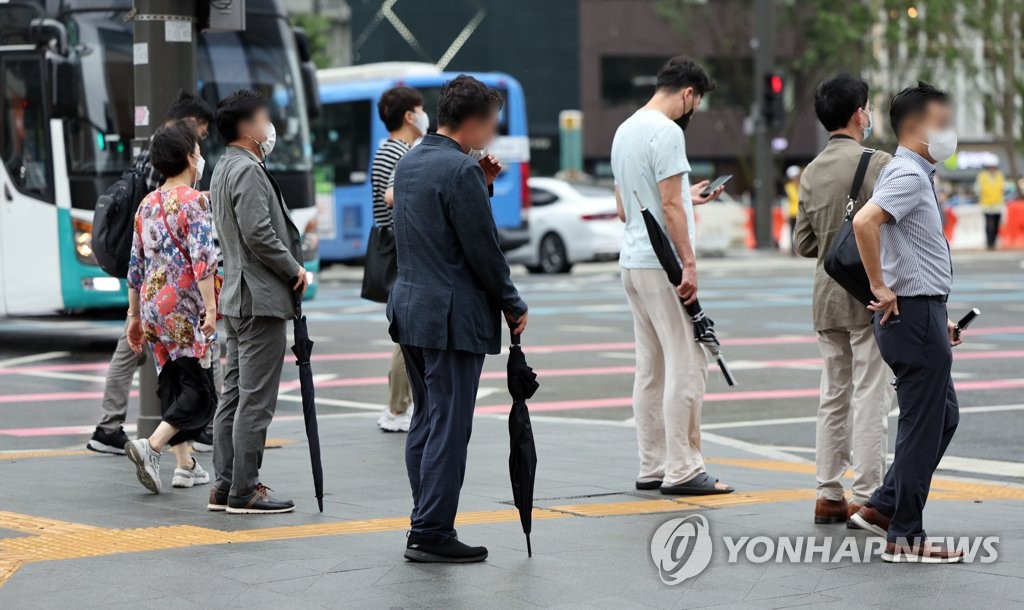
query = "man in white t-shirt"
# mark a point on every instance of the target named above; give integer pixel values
(649, 163)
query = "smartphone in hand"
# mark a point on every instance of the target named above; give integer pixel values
(715, 184)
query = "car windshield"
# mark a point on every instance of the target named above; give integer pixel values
(99, 141)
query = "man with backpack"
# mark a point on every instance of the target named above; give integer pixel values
(855, 392)
(109, 436)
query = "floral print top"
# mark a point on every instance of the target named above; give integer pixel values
(171, 306)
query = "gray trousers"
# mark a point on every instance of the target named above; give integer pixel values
(252, 376)
(122, 368)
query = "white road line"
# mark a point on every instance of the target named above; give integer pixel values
(67, 376)
(484, 392)
(32, 358)
(618, 355)
(581, 328)
(762, 450)
(334, 402)
(784, 421)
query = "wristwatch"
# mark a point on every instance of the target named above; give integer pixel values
(133, 315)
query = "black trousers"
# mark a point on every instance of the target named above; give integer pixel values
(992, 229)
(916, 345)
(444, 385)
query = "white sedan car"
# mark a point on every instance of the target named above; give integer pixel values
(569, 223)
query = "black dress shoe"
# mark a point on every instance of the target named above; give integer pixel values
(258, 502)
(448, 550)
(648, 485)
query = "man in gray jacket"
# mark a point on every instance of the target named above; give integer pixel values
(262, 274)
(855, 392)
(445, 308)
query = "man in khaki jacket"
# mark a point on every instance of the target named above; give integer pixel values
(855, 386)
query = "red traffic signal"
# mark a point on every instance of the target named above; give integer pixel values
(775, 83)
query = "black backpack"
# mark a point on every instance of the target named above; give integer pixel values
(114, 222)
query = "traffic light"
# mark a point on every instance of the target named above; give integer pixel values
(773, 109)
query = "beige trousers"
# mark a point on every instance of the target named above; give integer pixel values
(399, 390)
(671, 374)
(856, 396)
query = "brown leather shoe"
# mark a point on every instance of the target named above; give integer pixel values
(851, 511)
(830, 511)
(920, 553)
(872, 520)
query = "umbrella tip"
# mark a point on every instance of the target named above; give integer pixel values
(529, 547)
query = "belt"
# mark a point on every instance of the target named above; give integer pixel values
(941, 298)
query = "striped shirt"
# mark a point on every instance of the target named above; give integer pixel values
(383, 176)
(915, 254)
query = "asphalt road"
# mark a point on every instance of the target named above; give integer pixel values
(580, 341)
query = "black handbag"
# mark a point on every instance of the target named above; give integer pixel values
(381, 267)
(842, 262)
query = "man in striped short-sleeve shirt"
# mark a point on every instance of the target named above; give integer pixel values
(907, 259)
(401, 110)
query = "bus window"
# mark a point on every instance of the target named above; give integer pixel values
(342, 139)
(26, 148)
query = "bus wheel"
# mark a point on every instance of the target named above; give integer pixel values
(553, 256)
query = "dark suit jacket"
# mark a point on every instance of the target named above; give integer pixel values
(453, 280)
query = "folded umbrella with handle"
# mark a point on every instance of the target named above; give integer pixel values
(303, 349)
(522, 459)
(703, 326)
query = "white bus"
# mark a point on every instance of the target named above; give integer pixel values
(66, 73)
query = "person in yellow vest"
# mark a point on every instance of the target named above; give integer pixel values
(989, 187)
(793, 198)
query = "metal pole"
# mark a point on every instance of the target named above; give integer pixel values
(165, 62)
(763, 47)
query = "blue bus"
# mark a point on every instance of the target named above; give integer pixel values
(348, 132)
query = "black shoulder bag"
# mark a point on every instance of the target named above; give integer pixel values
(381, 266)
(842, 262)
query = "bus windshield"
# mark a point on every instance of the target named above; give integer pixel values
(99, 141)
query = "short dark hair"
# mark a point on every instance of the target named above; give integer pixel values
(681, 72)
(838, 98)
(913, 101)
(394, 103)
(235, 108)
(190, 106)
(464, 97)
(171, 146)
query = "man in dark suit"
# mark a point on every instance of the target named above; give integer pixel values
(453, 283)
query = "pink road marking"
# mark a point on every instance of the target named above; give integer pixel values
(495, 375)
(586, 403)
(753, 395)
(552, 349)
(53, 396)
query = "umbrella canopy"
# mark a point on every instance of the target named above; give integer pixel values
(703, 326)
(522, 459)
(303, 349)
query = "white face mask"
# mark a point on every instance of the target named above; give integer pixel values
(267, 146)
(200, 166)
(941, 143)
(422, 123)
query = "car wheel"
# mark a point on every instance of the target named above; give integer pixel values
(553, 256)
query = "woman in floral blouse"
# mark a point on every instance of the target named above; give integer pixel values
(172, 304)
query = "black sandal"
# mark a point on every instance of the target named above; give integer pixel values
(700, 485)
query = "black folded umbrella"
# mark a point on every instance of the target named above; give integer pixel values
(303, 349)
(522, 459)
(703, 326)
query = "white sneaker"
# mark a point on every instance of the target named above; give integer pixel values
(147, 463)
(389, 422)
(185, 477)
